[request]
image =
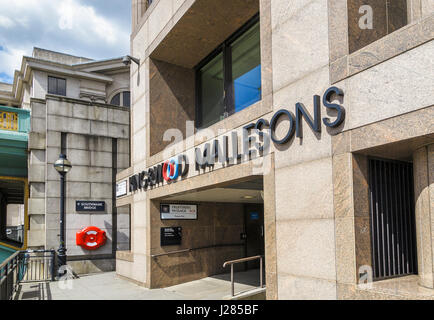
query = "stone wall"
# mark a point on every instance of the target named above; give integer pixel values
(96, 141)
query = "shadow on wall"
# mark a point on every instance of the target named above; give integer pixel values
(122, 238)
(172, 101)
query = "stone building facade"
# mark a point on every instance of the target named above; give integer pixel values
(76, 109)
(348, 113)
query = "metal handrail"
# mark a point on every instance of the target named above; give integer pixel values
(9, 277)
(192, 249)
(8, 259)
(169, 253)
(37, 265)
(232, 262)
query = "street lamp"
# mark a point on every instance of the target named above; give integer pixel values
(62, 165)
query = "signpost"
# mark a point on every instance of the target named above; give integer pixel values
(178, 212)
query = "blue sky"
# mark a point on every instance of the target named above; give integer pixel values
(97, 29)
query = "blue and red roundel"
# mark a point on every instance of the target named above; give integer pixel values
(171, 169)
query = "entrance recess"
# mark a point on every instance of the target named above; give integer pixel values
(392, 218)
(228, 226)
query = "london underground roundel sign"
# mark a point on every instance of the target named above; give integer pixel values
(171, 169)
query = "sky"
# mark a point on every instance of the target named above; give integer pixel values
(96, 29)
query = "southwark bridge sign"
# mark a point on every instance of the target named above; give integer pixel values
(213, 152)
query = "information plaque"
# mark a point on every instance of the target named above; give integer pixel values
(170, 236)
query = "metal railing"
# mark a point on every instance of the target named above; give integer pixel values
(37, 265)
(199, 248)
(26, 266)
(9, 277)
(232, 262)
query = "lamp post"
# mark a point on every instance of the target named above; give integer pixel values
(62, 165)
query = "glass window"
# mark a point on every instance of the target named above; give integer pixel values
(370, 20)
(61, 87)
(246, 69)
(52, 85)
(212, 92)
(116, 100)
(57, 86)
(126, 99)
(230, 79)
(122, 99)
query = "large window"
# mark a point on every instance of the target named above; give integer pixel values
(229, 80)
(57, 86)
(122, 99)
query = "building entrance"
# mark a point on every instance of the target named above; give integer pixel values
(227, 226)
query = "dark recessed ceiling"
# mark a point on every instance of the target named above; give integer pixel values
(205, 25)
(256, 184)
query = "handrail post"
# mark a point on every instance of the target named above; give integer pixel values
(232, 280)
(6, 281)
(53, 258)
(232, 262)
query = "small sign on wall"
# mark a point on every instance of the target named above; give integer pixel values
(121, 188)
(178, 212)
(254, 216)
(92, 206)
(170, 236)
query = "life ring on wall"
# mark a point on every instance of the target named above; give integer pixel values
(90, 238)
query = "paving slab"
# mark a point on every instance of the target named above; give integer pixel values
(108, 286)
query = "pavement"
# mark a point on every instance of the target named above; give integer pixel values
(108, 286)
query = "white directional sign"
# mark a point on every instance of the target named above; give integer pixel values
(178, 212)
(121, 188)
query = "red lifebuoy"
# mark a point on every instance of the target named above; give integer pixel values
(90, 238)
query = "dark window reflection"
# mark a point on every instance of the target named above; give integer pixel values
(122, 99)
(57, 86)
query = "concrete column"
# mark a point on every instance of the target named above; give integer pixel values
(423, 161)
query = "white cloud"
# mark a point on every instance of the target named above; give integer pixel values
(83, 20)
(10, 60)
(97, 29)
(6, 22)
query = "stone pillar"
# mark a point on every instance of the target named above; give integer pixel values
(423, 161)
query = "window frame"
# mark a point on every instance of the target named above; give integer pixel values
(228, 88)
(57, 85)
(121, 99)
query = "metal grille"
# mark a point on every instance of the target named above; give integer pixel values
(37, 265)
(392, 218)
